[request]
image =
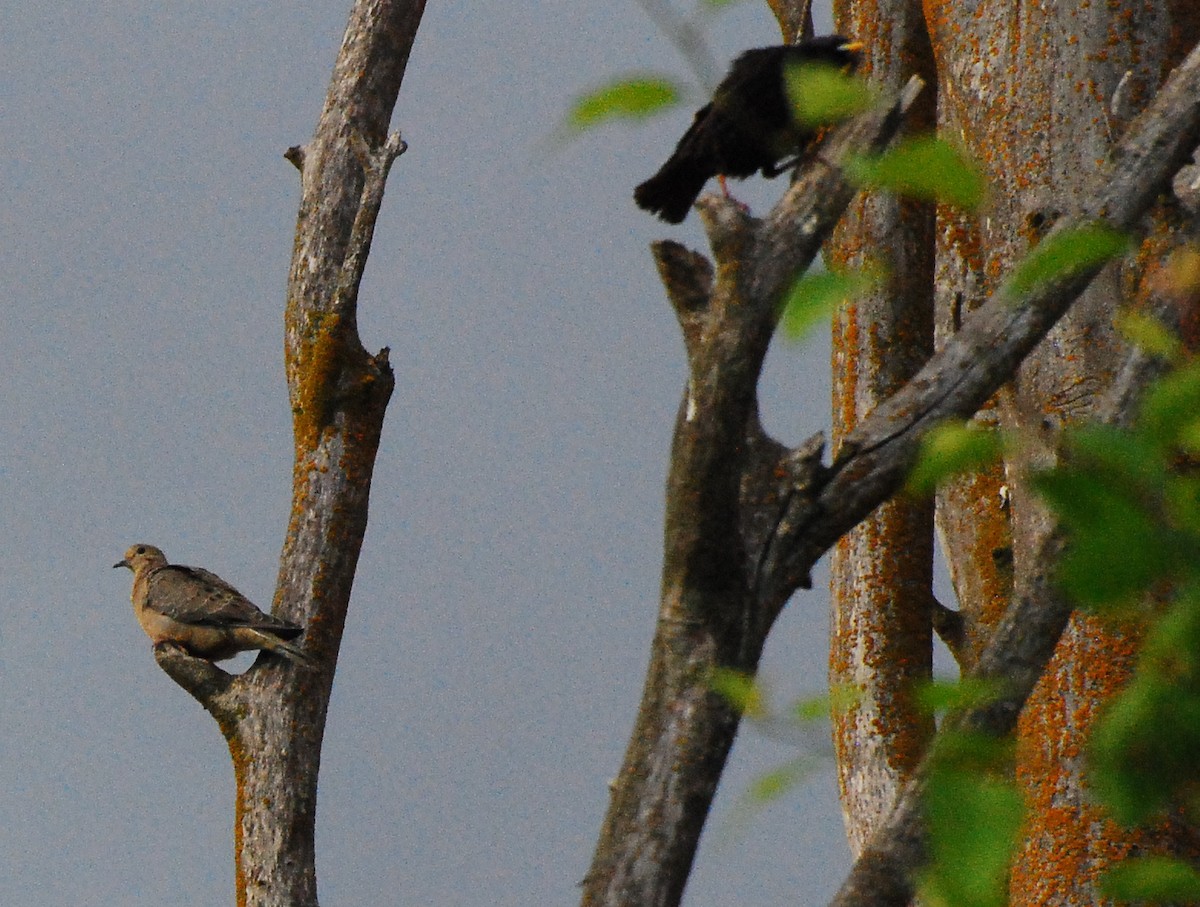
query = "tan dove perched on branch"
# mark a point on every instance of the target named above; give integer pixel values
(200, 612)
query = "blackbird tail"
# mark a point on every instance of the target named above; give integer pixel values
(671, 192)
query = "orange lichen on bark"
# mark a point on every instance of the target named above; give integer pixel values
(846, 343)
(319, 364)
(880, 647)
(240, 759)
(1068, 841)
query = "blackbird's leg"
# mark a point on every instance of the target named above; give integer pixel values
(729, 195)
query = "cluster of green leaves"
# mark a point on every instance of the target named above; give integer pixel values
(1130, 502)
(973, 814)
(1129, 499)
(973, 810)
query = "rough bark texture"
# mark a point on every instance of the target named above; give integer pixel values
(794, 18)
(273, 716)
(882, 571)
(972, 514)
(1067, 846)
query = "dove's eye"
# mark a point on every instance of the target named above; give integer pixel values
(141, 549)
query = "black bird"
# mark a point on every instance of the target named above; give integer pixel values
(748, 125)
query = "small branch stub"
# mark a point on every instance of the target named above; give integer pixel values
(295, 155)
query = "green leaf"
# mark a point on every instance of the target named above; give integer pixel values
(1171, 408)
(973, 823)
(814, 298)
(1128, 458)
(1110, 497)
(633, 98)
(1129, 462)
(1171, 651)
(1132, 789)
(1182, 502)
(944, 695)
(822, 94)
(813, 708)
(973, 752)
(1142, 751)
(741, 690)
(842, 698)
(1149, 333)
(926, 168)
(1116, 550)
(1153, 880)
(775, 783)
(951, 449)
(1064, 254)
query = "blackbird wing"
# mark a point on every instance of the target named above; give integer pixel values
(757, 126)
(671, 191)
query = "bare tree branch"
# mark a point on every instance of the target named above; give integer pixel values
(746, 520)
(794, 18)
(273, 716)
(687, 37)
(723, 500)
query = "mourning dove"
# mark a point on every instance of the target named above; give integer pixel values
(200, 612)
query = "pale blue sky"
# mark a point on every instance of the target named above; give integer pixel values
(498, 632)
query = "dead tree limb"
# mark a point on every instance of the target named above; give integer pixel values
(728, 485)
(746, 519)
(273, 716)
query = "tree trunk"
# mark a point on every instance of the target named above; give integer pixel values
(746, 519)
(882, 571)
(731, 495)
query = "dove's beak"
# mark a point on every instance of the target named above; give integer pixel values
(121, 563)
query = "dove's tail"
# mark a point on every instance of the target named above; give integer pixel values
(289, 651)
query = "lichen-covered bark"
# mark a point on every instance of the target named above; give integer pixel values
(273, 716)
(1032, 92)
(789, 513)
(972, 514)
(882, 571)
